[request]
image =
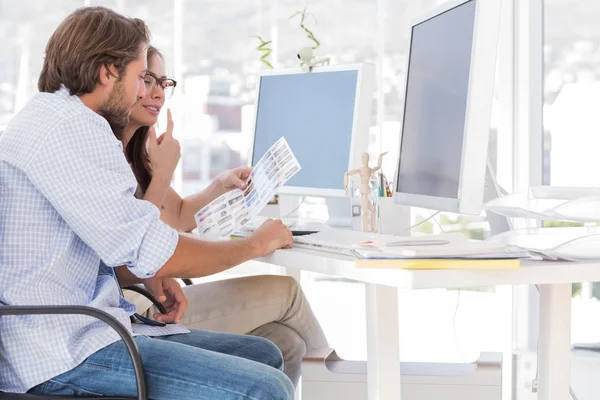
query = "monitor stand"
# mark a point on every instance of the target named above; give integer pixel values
(498, 223)
(339, 211)
(492, 190)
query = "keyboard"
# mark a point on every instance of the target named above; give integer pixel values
(340, 241)
(298, 227)
(257, 221)
(343, 241)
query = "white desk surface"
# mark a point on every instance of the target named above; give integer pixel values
(531, 272)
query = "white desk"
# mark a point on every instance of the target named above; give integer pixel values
(554, 278)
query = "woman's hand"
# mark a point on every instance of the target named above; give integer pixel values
(234, 178)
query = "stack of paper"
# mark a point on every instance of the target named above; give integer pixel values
(550, 203)
(565, 244)
(465, 255)
(437, 263)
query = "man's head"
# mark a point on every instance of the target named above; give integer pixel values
(98, 54)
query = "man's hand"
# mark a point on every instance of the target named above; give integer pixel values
(155, 287)
(272, 235)
(168, 291)
(235, 178)
(164, 152)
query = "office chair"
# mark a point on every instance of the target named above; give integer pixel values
(101, 315)
(111, 321)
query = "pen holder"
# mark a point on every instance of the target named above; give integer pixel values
(392, 218)
(356, 206)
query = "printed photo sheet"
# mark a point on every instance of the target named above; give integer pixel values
(229, 212)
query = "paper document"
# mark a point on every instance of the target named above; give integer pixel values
(153, 331)
(565, 244)
(229, 212)
(437, 263)
(469, 250)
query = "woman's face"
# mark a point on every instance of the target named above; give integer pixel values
(145, 112)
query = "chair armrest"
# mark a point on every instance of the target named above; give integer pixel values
(138, 289)
(111, 321)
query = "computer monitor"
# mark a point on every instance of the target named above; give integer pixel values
(324, 115)
(447, 108)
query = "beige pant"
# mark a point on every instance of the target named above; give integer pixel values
(270, 306)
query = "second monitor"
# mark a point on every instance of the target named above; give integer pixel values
(447, 108)
(325, 117)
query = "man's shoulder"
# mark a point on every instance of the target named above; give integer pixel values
(60, 108)
(47, 111)
(50, 117)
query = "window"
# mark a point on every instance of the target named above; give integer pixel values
(25, 28)
(571, 123)
(571, 93)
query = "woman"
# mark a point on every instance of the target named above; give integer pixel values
(270, 306)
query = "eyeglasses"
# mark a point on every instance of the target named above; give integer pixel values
(167, 85)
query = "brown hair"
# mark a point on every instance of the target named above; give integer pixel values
(136, 151)
(89, 38)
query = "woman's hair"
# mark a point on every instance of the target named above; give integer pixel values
(88, 39)
(136, 151)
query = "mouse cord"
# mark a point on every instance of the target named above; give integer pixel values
(432, 216)
(295, 209)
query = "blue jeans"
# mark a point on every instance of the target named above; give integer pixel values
(198, 365)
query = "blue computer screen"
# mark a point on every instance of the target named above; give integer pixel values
(315, 113)
(436, 104)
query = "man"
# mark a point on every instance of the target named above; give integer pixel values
(68, 216)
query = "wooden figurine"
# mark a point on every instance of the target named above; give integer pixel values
(365, 173)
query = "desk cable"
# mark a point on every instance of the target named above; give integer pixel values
(295, 209)
(454, 326)
(433, 216)
(534, 384)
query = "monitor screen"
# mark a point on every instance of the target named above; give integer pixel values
(436, 103)
(315, 113)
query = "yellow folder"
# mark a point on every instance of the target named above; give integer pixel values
(446, 263)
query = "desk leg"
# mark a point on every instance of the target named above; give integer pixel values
(383, 343)
(554, 354)
(296, 273)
